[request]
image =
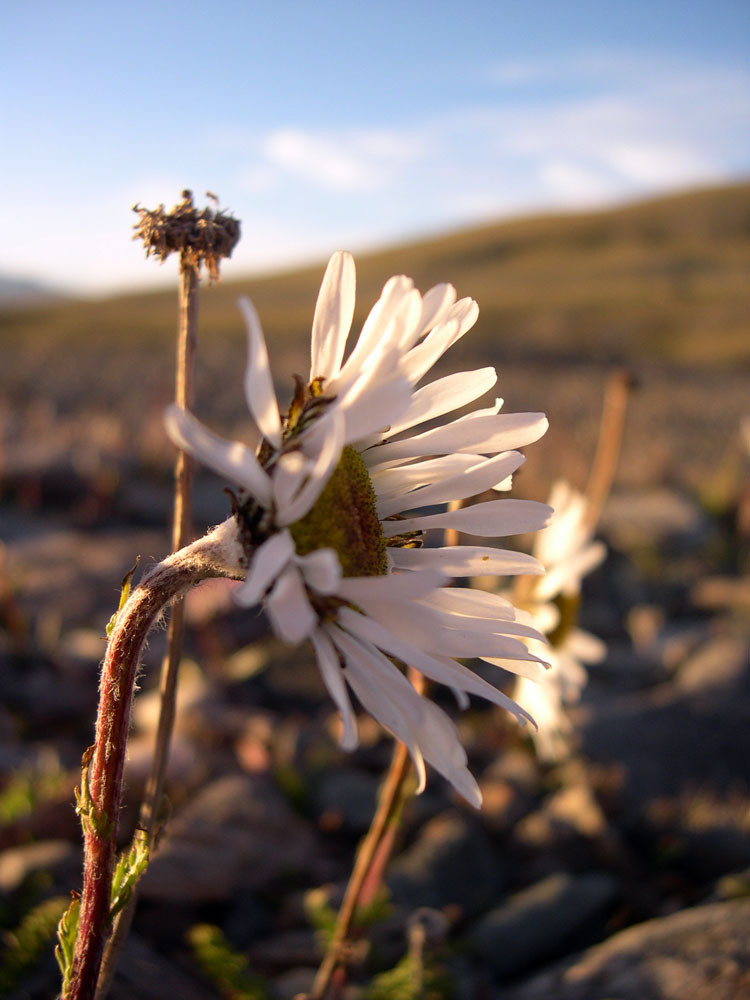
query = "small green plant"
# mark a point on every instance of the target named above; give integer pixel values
(25, 944)
(67, 931)
(410, 979)
(226, 968)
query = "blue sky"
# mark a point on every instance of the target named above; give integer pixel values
(343, 124)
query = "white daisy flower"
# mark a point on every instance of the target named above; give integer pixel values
(330, 554)
(567, 551)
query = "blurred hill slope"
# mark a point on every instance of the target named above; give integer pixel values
(658, 287)
(662, 279)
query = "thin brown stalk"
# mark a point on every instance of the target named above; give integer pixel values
(371, 860)
(181, 531)
(611, 428)
(387, 804)
(101, 790)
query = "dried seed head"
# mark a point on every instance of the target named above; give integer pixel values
(202, 236)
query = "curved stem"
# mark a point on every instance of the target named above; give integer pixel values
(217, 554)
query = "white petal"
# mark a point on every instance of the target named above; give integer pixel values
(259, 390)
(289, 473)
(533, 670)
(405, 326)
(373, 403)
(492, 519)
(289, 609)
(330, 671)
(436, 304)
(231, 459)
(465, 601)
(438, 668)
(269, 560)
(403, 478)
(492, 433)
(478, 622)
(424, 728)
(487, 411)
(466, 560)
(468, 483)
(334, 311)
(320, 472)
(425, 627)
(398, 586)
(321, 570)
(444, 395)
(384, 692)
(462, 316)
(373, 331)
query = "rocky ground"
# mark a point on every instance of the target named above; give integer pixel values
(623, 872)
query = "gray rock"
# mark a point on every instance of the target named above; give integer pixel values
(237, 835)
(142, 974)
(452, 863)
(702, 954)
(665, 745)
(59, 857)
(652, 517)
(345, 799)
(543, 921)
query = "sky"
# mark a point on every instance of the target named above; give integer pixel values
(331, 124)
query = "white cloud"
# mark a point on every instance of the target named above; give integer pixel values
(348, 161)
(659, 164)
(569, 183)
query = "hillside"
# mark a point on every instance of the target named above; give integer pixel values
(661, 279)
(659, 286)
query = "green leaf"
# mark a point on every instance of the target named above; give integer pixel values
(226, 968)
(128, 871)
(124, 595)
(67, 930)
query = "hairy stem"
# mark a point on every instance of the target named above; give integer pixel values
(217, 554)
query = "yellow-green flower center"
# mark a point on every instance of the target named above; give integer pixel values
(344, 518)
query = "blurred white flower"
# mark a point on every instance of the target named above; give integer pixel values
(331, 557)
(566, 550)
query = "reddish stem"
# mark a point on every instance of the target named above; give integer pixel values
(208, 557)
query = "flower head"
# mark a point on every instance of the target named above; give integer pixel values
(568, 553)
(330, 511)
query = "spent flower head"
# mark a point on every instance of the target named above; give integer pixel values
(200, 236)
(330, 511)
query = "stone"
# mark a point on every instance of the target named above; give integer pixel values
(544, 921)
(702, 953)
(452, 863)
(59, 857)
(142, 974)
(237, 835)
(345, 799)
